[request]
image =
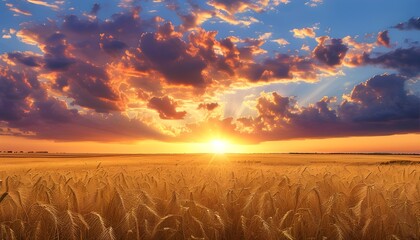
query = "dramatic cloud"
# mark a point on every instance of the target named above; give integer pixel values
(170, 57)
(166, 107)
(27, 59)
(406, 61)
(381, 99)
(25, 105)
(90, 86)
(379, 106)
(14, 90)
(383, 39)
(115, 79)
(411, 24)
(283, 67)
(330, 52)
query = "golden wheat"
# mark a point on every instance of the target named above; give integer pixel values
(221, 200)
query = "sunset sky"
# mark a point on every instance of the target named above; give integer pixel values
(174, 76)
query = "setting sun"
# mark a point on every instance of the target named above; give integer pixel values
(219, 146)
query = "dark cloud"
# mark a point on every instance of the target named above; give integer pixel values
(230, 60)
(282, 67)
(383, 39)
(24, 58)
(208, 106)
(330, 53)
(169, 56)
(55, 53)
(90, 87)
(95, 9)
(14, 90)
(411, 24)
(278, 68)
(26, 106)
(73, 23)
(166, 107)
(113, 47)
(380, 99)
(54, 111)
(22, 97)
(406, 61)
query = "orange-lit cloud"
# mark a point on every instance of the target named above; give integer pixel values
(304, 32)
(17, 10)
(383, 39)
(43, 3)
(281, 41)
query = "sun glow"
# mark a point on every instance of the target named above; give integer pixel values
(219, 146)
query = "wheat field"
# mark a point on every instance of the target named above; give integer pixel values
(203, 196)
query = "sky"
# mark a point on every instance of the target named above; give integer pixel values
(177, 76)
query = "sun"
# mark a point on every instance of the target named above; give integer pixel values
(219, 146)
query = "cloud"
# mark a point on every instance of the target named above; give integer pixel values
(228, 10)
(411, 24)
(170, 57)
(152, 54)
(305, 48)
(208, 106)
(330, 51)
(406, 61)
(73, 23)
(383, 39)
(113, 47)
(113, 127)
(95, 9)
(43, 3)
(26, 106)
(55, 53)
(378, 106)
(281, 41)
(90, 86)
(380, 99)
(79, 53)
(304, 32)
(18, 11)
(166, 107)
(27, 59)
(314, 3)
(14, 90)
(282, 67)
(195, 17)
(239, 6)
(96, 72)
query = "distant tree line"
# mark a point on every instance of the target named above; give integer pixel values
(9, 151)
